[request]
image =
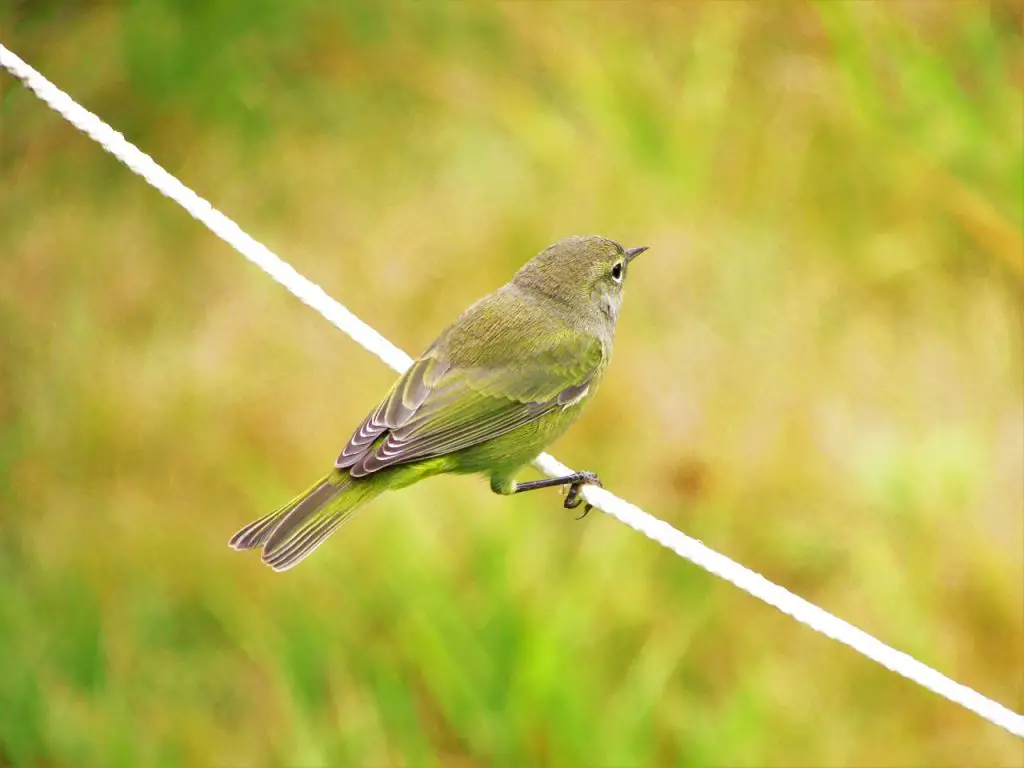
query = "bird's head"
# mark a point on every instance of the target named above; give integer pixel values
(585, 273)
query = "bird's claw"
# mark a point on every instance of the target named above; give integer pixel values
(573, 498)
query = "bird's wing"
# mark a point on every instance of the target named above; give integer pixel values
(438, 407)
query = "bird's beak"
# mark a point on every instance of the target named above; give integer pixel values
(632, 253)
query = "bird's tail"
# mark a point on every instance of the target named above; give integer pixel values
(288, 535)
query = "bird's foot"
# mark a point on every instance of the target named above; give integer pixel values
(573, 498)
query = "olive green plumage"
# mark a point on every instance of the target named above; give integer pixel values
(503, 381)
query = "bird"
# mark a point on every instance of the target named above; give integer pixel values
(498, 385)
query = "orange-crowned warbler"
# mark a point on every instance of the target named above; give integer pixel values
(497, 386)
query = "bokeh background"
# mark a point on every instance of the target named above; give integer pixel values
(818, 373)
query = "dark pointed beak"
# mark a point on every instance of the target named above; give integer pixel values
(632, 253)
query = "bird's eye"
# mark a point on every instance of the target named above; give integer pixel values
(617, 272)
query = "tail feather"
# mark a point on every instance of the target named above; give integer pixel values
(296, 549)
(289, 534)
(256, 534)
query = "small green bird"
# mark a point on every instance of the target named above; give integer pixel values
(503, 381)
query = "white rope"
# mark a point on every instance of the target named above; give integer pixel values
(633, 516)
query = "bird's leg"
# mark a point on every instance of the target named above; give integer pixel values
(575, 481)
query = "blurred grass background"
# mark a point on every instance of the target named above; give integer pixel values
(819, 373)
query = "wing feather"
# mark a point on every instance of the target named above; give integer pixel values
(459, 395)
(502, 418)
(408, 394)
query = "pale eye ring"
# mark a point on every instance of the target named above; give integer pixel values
(617, 271)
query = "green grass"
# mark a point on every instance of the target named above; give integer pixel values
(818, 373)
